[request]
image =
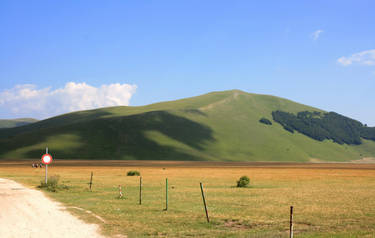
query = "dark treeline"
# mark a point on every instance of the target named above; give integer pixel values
(368, 133)
(321, 126)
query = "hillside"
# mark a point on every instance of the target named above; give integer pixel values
(218, 126)
(9, 123)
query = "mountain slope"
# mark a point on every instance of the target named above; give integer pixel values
(218, 126)
(9, 123)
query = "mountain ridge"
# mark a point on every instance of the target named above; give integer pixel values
(217, 126)
(10, 123)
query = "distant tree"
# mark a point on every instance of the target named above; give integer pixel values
(265, 121)
(288, 128)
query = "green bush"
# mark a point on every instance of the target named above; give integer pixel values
(52, 183)
(133, 173)
(243, 182)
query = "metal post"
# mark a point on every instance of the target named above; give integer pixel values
(166, 194)
(46, 166)
(46, 172)
(140, 190)
(204, 203)
(91, 180)
(291, 223)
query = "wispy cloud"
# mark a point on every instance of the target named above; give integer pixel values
(366, 57)
(315, 35)
(28, 100)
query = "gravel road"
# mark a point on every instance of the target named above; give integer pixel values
(26, 212)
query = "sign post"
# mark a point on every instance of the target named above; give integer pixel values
(46, 172)
(46, 160)
(46, 166)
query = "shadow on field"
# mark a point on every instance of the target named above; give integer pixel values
(121, 137)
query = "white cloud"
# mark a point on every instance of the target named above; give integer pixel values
(28, 100)
(366, 57)
(315, 35)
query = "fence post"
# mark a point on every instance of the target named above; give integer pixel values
(140, 190)
(91, 180)
(204, 203)
(166, 194)
(120, 191)
(291, 223)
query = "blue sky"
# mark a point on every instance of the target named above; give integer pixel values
(320, 53)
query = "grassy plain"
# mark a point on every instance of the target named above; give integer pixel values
(330, 200)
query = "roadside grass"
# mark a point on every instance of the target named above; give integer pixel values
(327, 202)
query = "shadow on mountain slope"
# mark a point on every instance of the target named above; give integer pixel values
(124, 137)
(58, 121)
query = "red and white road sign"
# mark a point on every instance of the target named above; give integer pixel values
(46, 159)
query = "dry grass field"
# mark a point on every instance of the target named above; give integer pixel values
(330, 200)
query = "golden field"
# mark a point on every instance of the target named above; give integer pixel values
(330, 200)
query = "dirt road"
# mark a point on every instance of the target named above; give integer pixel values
(29, 213)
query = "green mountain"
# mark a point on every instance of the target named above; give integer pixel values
(218, 126)
(4, 123)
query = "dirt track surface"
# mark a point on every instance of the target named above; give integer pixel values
(29, 213)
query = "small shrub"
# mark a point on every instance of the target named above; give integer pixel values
(265, 121)
(133, 173)
(52, 183)
(243, 182)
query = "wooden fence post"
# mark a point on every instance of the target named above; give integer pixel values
(120, 191)
(204, 203)
(166, 194)
(291, 223)
(91, 180)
